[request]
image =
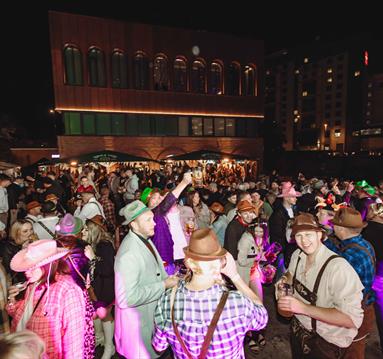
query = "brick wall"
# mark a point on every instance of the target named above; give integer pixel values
(159, 147)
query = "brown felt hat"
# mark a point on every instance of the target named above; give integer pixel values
(204, 246)
(348, 217)
(305, 222)
(245, 206)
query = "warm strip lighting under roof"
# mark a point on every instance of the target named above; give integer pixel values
(178, 113)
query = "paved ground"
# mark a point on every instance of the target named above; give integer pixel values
(277, 337)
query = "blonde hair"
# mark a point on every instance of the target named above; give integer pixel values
(376, 209)
(16, 228)
(21, 345)
(96, 234)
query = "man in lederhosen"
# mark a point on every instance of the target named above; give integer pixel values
(326, 302)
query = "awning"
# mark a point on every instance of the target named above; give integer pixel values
(106, 156)
(206, 155)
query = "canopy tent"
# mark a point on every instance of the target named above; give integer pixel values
(206, 155)
(106, 156)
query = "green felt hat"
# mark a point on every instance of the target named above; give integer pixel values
(145, 195)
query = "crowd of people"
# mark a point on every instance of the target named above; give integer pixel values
(144, 263)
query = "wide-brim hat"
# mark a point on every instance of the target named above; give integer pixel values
(69, 225)
(51, 197)
(133, 210)
(305, 222)
(217, 207)
(204, 246)
(349, 218)
(245, 206)
(289, 191)
(37, 254)
(33, 204)
(99, 221)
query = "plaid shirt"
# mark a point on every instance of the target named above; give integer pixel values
(193, 311)
(109, 210)
(359, 260)
(60, 321)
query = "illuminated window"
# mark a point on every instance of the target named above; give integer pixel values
(198, 77)
(268, 72)
(304, 93)
(337, 133)
(249, 81)
(369, 94)
(216, 78)
(73, 66)
(180, 74)
(96, 63)
(297, 72)
(161, 73)
(119, 70)
(357, 73)
(329, 79)
(329, 70)
(295, 112)
(306, 60)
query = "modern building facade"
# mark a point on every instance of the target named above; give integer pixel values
(154, 91)
(315, 94)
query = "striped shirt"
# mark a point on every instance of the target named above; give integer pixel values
(193, 311)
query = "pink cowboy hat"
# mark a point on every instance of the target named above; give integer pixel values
(288, 190)
(36, 255)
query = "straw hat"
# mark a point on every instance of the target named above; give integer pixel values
(36, 255)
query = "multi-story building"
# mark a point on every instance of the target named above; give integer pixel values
(154, 91)
(370, 132)
(314, 94)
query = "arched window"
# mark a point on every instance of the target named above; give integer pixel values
(198, 76)
(249, 81)
(96, 62)
(233, 79)
(119, 70)
(73, 66)
(216, 80)
(161, 73)
(180, 74)
(141, 71)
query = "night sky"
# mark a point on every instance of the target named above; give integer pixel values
(26, 78)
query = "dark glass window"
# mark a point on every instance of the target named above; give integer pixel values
(208, 128)
(119, 70)
(219, 126)
(216, 79)
(233, 79)
(183, 126)
(103, 124)
(96, 68)
(144, 128)
(141, 71)
(118, 124)
(180, 74)
(198, 76)
(230, 127)
(72, 121)
(88, 124)
(73, 66)
(132, 124)
(161, 73)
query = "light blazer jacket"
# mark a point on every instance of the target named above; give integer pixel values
(138, 285)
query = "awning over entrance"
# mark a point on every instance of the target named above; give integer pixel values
(206, 155)
(106, 156)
